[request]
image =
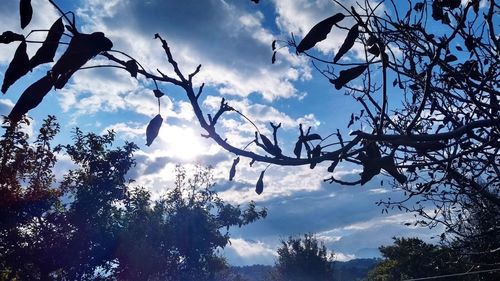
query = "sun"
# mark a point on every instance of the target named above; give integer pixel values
(184, 143)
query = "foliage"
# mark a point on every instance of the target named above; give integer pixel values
(425, 80)
(303, 259)
(93, 225)
(411, 258)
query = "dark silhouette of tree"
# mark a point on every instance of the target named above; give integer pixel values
(303, 259)
(426, 83)
(94, 226)
(411, 258)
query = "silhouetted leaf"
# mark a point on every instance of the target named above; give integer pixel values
(311, 137)
(450, 58)
(259, 187)
(374, 50)
(319, 32)
(437, 11)
(273, 45)
(8, 37)
(419, 6)
(48, 49)
(269, 146)
(31, 98)
(316, 152)
(351, 122)
(158, 93)
(132, 67)
(452, 4)
(345, 76)
(232, 172)
(26, 12)
(469, 43)
(348, 42)
(371, 40)
(298, 148)
(475, 6)
(387, 163)
(273, 59)
(81, 49)
(255, 1)
(18, 67)
(153, 129)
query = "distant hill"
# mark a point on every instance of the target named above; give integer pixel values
(343, 271)
(354, 269)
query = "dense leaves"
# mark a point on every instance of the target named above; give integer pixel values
(94, 225)
(303, 259)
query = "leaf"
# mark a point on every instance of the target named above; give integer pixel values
(298, 148)
(469, 43)
(81, 49)
(315, 153)
(459, 48)
(319, 32)
(48, 49)
(437, 11)
(269, 146)
(153, 129)
(311, 137)
(132, 67)
(26, 12)
(232, 172)
(259, 187)
(31, 98)
(419, 6)
(450, 58)
(255, 1)
(8, 37)
(345, 76)
(273, 45)
(273, 59)
(158, 93)
(348, 42)
(387, 163)
(18, 67)
(351, 122)
(374, 50)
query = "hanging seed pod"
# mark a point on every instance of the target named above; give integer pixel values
(18, 67)
(259, 187)
(318, 32)
(153, 129)
(269, 146)
(388, 164)
(232, 172)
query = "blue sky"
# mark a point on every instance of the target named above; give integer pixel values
(232, 40)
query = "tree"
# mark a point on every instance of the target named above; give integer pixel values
(303, 259)
(411, 258)
(93, 225)
(426, 83)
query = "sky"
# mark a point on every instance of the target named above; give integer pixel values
(232, 40)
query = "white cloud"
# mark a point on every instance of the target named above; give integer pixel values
(244, 252)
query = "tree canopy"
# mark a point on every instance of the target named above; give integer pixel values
(425, 81)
